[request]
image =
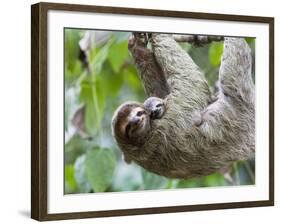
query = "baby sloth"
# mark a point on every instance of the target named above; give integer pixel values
(155, 106)
(132, 120)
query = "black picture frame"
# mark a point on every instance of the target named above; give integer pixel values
(39, 108)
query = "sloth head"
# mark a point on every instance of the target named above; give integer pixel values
(156, 106)
(131, 123)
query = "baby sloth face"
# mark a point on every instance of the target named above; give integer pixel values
(156, 107)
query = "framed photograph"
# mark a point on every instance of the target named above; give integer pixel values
(139, 111)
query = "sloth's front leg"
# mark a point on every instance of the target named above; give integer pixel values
(150, 72)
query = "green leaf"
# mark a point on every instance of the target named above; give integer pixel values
(100, 165)
(72, 74)
(75, 147)
(110, 82)
(213, 180)
(215, 53)
(80, 175)
(250, 39)
(98, 56)
(67, 109)
(118, 53)
(190, 183)
(92, 94)
(70, 182)
(73, 66)
(100, 95)
(153, 181)
(72, 38)
(127, 177)
(132, 79)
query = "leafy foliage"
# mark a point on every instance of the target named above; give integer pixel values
(70, 181)
(84, 185)
(100, 164)
(215, 53)
(93, 162)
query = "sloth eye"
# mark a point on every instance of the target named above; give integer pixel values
(159, 105)
(140, 113)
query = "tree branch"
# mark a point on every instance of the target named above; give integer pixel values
(197, 40)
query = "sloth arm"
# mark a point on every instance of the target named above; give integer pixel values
(235, 77)
(232, 116)
(149, 71)
(187, 83)
(235, 85)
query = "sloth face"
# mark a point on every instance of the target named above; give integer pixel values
(138, 123)
(131, 123)
(156, 107)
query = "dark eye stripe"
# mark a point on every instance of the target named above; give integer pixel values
(140, 113)
(159, 105)
(127, 129)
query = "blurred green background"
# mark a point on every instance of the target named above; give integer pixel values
(99, 76)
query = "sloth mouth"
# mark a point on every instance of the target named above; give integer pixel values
(131, 130)
(140, 124)
(156, 113)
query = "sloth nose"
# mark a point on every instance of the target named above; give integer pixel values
(135, 120)
(155, 113)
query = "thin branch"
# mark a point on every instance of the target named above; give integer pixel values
(197, 40)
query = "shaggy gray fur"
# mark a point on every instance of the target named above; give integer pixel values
(194, 137)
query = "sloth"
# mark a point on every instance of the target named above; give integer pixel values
(151, 74)
(196, 135)
(133, 120)
(155, 106)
